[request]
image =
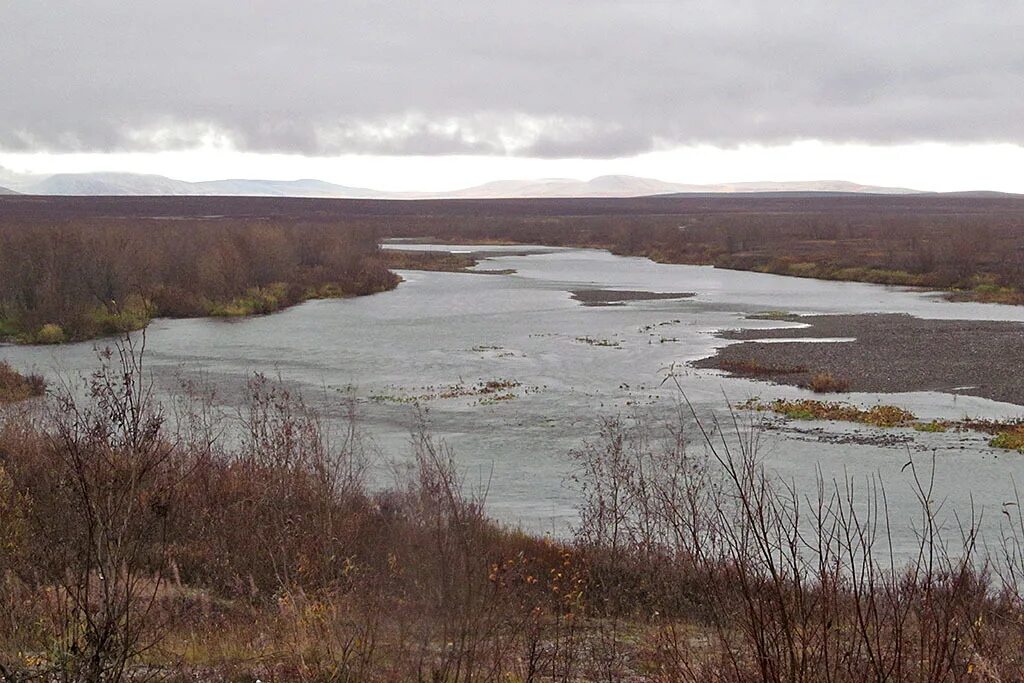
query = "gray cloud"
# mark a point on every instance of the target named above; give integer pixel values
(592, 78)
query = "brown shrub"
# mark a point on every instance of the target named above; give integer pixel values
(825, 383)
(15, 386)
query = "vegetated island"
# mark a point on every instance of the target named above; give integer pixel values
(437, 261)
(890, 353)
(618, 297)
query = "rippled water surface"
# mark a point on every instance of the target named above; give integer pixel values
(574, 364)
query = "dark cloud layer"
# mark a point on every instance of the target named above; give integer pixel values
(531, 77)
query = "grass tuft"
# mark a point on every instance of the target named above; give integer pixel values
(1012, 440)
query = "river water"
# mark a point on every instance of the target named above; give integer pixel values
(573, 365)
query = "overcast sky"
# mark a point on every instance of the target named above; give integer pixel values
(513, 88)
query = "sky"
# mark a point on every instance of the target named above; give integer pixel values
(427, 96)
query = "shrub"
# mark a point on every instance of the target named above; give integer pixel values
(114, 318)
(256, 301)
(825, 383)
(8, 328)
(50, 333)
(15, 386)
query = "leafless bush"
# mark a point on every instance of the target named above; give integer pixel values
(777, 584)
(99, 495)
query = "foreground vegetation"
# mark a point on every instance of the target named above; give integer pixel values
(138, 542)
(87, 278)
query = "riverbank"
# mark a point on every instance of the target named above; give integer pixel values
(138, 312)
(888, 354)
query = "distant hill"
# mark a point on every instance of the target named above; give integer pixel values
(603, 186)
(978, 194)
(4, 190)
(285, 188)
(108, 184)
(832, 186)
(630, 186)
(82, 184)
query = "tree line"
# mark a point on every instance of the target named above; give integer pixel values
(79, 279)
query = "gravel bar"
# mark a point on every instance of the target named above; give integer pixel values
(891, 353)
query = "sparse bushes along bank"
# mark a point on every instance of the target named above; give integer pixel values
(133, 546)
(86, 278)
(1011, 438)
(819, 382)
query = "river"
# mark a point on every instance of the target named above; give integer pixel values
(568, 365)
